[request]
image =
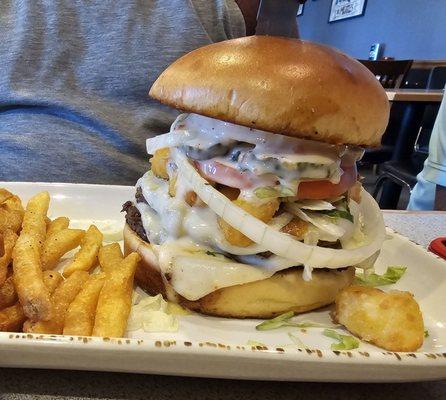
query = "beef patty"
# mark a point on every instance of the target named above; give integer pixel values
(133, 216)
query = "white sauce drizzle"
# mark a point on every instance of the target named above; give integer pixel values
(185, 238)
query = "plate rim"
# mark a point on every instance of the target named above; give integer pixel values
(9, 340)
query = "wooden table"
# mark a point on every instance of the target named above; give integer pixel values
(415, 101)
(415, 95)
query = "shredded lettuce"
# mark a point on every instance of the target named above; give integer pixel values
(152, 315)
(284, 320)
(297, 341)
(339, 214)
(345, 342)
(266, 192)
(392, 275)
(276, 322)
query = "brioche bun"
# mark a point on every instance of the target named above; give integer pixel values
(286, 86)
(284, 291)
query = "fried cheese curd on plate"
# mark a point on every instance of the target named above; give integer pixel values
(391, 320)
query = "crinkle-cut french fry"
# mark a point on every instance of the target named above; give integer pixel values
(57, 225)
(58, 244)
(62, 297)
(110, 256)
(5, 195)
(11, 211)
(28, 280)
(52, 280)
(80, 316)
(8, 295)
(87, 257)
(13, 317)
(115, 299)
(9, 238)
(35, 215)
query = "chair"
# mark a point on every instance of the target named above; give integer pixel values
(391, 74)
(437, 78)
(404, 173)
(416, 78)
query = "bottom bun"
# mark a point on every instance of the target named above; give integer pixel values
(282, 292)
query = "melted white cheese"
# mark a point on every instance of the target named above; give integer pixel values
(189, 240)
(186, 238)
(168, 218)
(170, 210)
(203, 132)
(195, 271)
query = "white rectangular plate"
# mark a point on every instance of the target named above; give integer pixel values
(216, 347)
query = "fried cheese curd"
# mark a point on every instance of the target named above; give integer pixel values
(263, 210)
(390, 320)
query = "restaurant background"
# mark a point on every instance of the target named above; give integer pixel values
(410, 29)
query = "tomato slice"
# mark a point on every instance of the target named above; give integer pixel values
(318, 190)
(220, 173)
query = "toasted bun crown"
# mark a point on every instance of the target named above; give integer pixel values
(286, 86)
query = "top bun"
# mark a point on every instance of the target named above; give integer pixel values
(287, 86)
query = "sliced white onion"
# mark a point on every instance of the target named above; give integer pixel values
(170, 210)
(171, 139)
(314, 205)
(369, 262)
(282, 244)
(328, 230)
(351, 229)
(276, 223)
(224, 131)
(292, 158)
(203, 132)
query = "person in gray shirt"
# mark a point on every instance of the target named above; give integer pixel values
(74, 79)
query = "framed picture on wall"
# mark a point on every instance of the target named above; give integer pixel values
(300, 10)
(344, 9)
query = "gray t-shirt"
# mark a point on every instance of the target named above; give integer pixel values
(74, 79)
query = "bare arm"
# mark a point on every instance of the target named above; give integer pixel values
(440, 198)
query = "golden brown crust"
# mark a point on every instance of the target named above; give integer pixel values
(286, 86)
(284, 291)
(391, 320)
(147, 275)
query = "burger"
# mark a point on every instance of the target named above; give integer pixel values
(252, 205)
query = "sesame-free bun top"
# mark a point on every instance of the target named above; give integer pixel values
(286, 86)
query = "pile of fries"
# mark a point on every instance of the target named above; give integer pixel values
(82, 300)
